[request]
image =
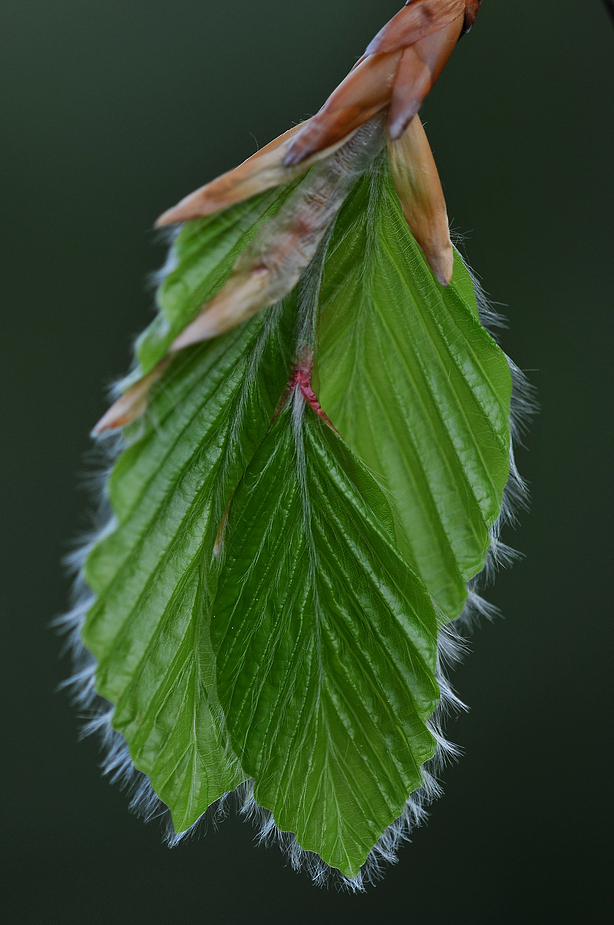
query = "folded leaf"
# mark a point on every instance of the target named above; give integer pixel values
(316, 443)
(417, 387)
(326, 643)
(317, 564)
(267, 597)
(154, 574)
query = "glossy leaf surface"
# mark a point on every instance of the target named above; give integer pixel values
(153, 575)
(417, 387)
(326, 644)
(263, 596)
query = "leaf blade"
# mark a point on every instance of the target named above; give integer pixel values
(417, 387)
(328, 710)
(154, 572)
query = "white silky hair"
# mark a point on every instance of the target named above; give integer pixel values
(97, 713)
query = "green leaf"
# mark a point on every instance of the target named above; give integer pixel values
(264, 596)
(416, 386)
(154, 573)
(326, 644)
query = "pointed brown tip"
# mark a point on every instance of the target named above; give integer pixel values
(262, 171)
(166, 218)
(121, 413)
(129, 406)
(443, 268)
(183, 211)
(193, 334)
(418, 187)
(398, 125)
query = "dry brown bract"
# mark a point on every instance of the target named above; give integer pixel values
(397, 71)
(260, 172)
(132, 403)
(418, 187)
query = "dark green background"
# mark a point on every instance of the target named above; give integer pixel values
(111, 111)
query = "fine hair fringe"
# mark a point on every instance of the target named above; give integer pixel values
(97, 713)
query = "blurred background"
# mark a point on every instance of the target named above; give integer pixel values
(112, 111)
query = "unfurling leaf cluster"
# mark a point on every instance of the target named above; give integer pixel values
(316, 442)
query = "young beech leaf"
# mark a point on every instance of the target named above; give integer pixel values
(416, 386)
(299, 502)
(262, 605)
(326, 643)
(154, 574)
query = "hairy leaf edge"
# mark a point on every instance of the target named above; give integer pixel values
(116, 761)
